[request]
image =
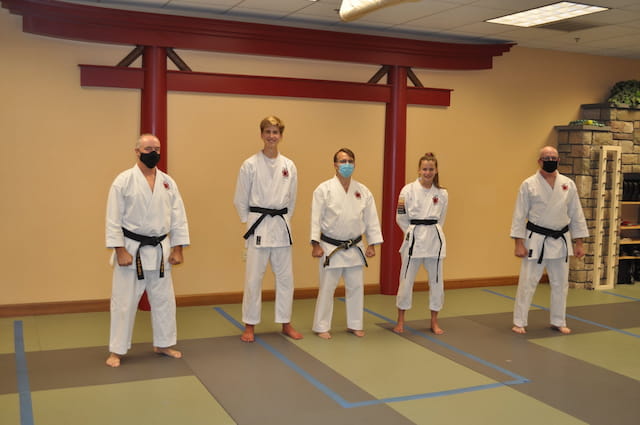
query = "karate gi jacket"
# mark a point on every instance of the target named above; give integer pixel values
(267, 183)
(553, 208)
(343, 216)
(132, 205)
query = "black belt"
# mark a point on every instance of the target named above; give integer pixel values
(555, 234)
(146, 241)
(423, 222)
(342, 245)
(266, 212)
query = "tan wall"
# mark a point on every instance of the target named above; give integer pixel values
(62, 145)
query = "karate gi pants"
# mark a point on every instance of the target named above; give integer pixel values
(530, 274)
(125, 295)
(405, 288)
(354, 297)
(257, 260)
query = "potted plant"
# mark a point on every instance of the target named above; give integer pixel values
(625, 93)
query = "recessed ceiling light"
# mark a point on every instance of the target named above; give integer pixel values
(544, 15)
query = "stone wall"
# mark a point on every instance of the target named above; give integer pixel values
(579, 148)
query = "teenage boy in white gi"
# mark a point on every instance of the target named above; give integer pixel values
(342, 210)
(421, 213)
(147, 227)
(547, 217)
(265, 199)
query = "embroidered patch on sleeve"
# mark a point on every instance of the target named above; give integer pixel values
(401, 209)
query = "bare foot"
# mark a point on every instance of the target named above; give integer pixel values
(399, 328)
(436, 329)
(113, 360)
(519, 329)
(289, 331)
(562, 329)
(169, 352)
(324, 335)
(248, 335)
(356, 332)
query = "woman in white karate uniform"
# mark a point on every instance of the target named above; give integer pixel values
(421, 212)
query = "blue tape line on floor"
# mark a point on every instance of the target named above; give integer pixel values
(24, 391)
(346, 404)
(621, 296)
(579, 319)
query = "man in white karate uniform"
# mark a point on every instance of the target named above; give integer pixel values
(265, 199)
(342, 210)
(547, 217)
(147, 227)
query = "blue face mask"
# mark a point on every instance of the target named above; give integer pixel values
(346, 169)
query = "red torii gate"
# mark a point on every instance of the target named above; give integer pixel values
(156, 35)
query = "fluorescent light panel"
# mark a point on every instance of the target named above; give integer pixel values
(544, 15)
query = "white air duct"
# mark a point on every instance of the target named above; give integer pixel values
(350, 10)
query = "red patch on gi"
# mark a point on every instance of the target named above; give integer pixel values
(358, 196)
(565, 187)
(435, 199)
(166, 185)
(285, 172)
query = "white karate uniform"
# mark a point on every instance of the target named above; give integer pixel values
(342, 216)
(267, 183)
(133, 206)
(416, 202)
(552, 208)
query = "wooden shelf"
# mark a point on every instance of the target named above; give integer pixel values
(634, 227)
(627, 257)
(630, 202)
(630, 242)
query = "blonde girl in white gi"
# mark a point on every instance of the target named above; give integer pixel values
(265, 199)
(421, 212)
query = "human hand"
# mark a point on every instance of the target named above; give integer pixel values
(371, 251)
(123, 257)
(176, 255)
(316, 250)
(520, 249)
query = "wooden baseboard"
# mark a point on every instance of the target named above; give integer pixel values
(86, 306)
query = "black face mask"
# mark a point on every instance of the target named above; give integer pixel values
(150, 159)
(549, 166)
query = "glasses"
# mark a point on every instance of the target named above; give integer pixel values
(549, 158)
(345, 161)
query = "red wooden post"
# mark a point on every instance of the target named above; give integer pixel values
(395, 148)
(153, 115)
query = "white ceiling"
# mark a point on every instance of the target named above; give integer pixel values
(615, 32)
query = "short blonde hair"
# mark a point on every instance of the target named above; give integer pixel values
(272, 120)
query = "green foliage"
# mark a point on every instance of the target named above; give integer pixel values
(625, 92)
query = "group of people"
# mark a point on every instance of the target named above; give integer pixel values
(147, 227)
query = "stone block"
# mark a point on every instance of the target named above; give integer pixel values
(629, 158)
(567, 170)
(604, 138)
(563, 137)
(582, 166)
(583, 184)
(621, 126)
(628, 114)
(578, 276)
(623, 136)
(580, 137)
(627, 146)
(580, 151)
(590, 113)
